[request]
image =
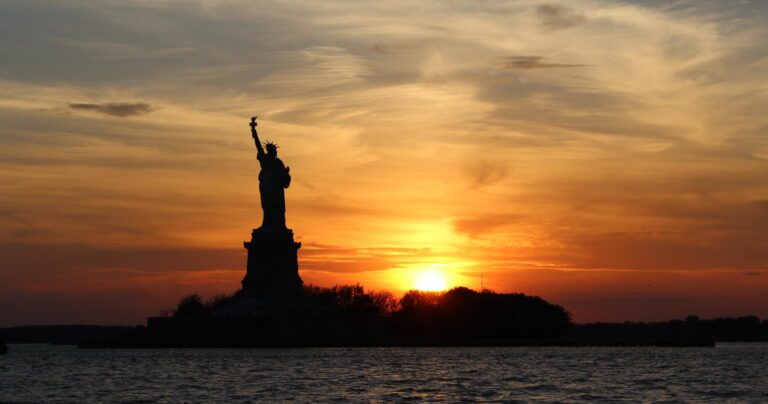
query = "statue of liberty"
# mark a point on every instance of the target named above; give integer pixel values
(274, 177)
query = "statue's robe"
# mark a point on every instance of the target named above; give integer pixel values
(273, 179)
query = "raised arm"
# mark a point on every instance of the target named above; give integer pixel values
(259, 148)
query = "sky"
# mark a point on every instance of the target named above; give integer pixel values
(608, 156)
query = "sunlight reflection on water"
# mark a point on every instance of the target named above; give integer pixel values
(42, 373)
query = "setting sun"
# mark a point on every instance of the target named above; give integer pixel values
(432, 280)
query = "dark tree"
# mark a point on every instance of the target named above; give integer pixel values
(191, 305)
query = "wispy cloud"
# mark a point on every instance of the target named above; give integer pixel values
(533, 62)
(482, 172)
(476, 226)
(557, 16)
(118, 109)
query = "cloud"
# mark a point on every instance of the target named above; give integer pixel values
(557, 16)
(16, 219)
(337, 259)
(654, 251)
(484, 224)
(118, 109)
(484, 172)
(121, 51)
(533, 62)
(73, 258)
(19, 227)
(381, 48)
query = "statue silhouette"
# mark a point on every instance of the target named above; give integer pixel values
(273, 179)
(273, 266)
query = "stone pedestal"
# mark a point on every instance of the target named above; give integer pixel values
(273, 266)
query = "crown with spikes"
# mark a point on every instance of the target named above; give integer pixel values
(270, 143)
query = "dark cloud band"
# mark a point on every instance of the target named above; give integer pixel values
(533, 62)
(119, 109)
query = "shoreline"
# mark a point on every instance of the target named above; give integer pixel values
(387, 342)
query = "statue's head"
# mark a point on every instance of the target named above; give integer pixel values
(271, 149)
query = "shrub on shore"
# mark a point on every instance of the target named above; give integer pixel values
(459, 312)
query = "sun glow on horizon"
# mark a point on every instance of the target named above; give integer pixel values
(431, 280)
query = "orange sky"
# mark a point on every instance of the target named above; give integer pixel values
(608, 156)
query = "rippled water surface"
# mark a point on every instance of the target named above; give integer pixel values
(41, 373)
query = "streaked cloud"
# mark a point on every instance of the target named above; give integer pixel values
(118, 109)
(533, 62)
(486, 223)
(557, 16)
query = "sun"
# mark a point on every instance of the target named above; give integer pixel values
(431, 280)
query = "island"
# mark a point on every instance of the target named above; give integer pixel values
(274, 308)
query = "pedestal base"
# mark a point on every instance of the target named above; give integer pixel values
(273, 266)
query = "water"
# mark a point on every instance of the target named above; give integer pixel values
(59, 374)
